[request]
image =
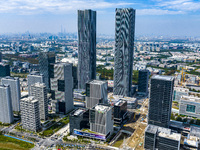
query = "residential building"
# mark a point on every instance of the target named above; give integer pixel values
(160, 102)
(190, 106)
(6, 111)
(101, 119)
(45, 59)
(96, 92)
(143, 82)
(62, 86)
(161, 138)
(34, 77)
(39, 92)
(124, 47)
(14, 90)
(4, 70)
(78, 119)
(30, 115)
(86, 47)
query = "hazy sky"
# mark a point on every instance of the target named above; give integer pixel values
(153, 17)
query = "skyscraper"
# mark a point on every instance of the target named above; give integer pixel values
(14, 90)
(45, 59)
(33, 78)
(4, 70)
(143, 82)
(30, 114)
(96, 92)
(124, 47)
(0, 57)
(39, 92)
(101, 119)
(160, 102)
(6, 111)
(62, 85)
(86, 47)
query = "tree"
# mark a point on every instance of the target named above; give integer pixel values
(172, 117)
(178, 118)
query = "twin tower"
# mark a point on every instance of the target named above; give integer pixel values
(124, 48)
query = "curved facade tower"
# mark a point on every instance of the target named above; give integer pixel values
(86, 47)
(124, 47)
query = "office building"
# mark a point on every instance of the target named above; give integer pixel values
(14, 90)
(143, 82)
(178, 92)
(4, 70)
(34, 77)
(161, 138)
(124, 47)
(101, 119)
(0, 57)
(189, 106)
(86, 47)
(160, 102)
(30, 115)
(96, 92)
(120, 111)
(45, 59)
(39, 92)
(6, 112)
(75, 77)
(62, 86)
(79, 119)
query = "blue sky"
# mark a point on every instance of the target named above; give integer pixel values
(153, 17)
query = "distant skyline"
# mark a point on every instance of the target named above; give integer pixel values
(153, 17)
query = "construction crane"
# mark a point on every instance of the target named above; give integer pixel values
(183, 74)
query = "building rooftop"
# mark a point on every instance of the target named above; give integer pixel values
(101, 107)
(167, 78)
(190, 98)
(10, 78)
(30, 99)
(38, 84)
(35, 73)
(120, 102)
(173, 136)
(195, 131)
(98, 82)
(4, 85)
(78, 112)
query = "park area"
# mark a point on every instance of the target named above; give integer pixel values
(7, 143)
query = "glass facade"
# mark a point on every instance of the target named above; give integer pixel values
(190, 108)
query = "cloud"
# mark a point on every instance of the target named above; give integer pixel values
(54, 6)
(180, 5)
(157, 12)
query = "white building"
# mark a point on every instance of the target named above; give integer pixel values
(30, 114)
(6, 112)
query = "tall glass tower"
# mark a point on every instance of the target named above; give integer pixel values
(124, 47)
(160, 102)
(86, 47)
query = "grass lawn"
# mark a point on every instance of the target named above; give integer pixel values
(7, 143)
(120, 140)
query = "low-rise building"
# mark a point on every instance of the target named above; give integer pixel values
(190, 106)
(120, 111)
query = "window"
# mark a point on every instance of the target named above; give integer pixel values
(190, 108)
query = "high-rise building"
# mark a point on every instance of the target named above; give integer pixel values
(124, 47)
(62, 85)
(6, 111)
(101, 119)
(30, 114)
(86, 47)
(34, 77)
(45, 59)
(143, 82)
(14, 90)
(96, 92)
(75, 78)
(79, 119)
(4, 70)
(161, 138)
(120, 111)
(160, 102)
(0, 57)
(39, 92)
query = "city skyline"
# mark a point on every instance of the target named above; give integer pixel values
(154, 17)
